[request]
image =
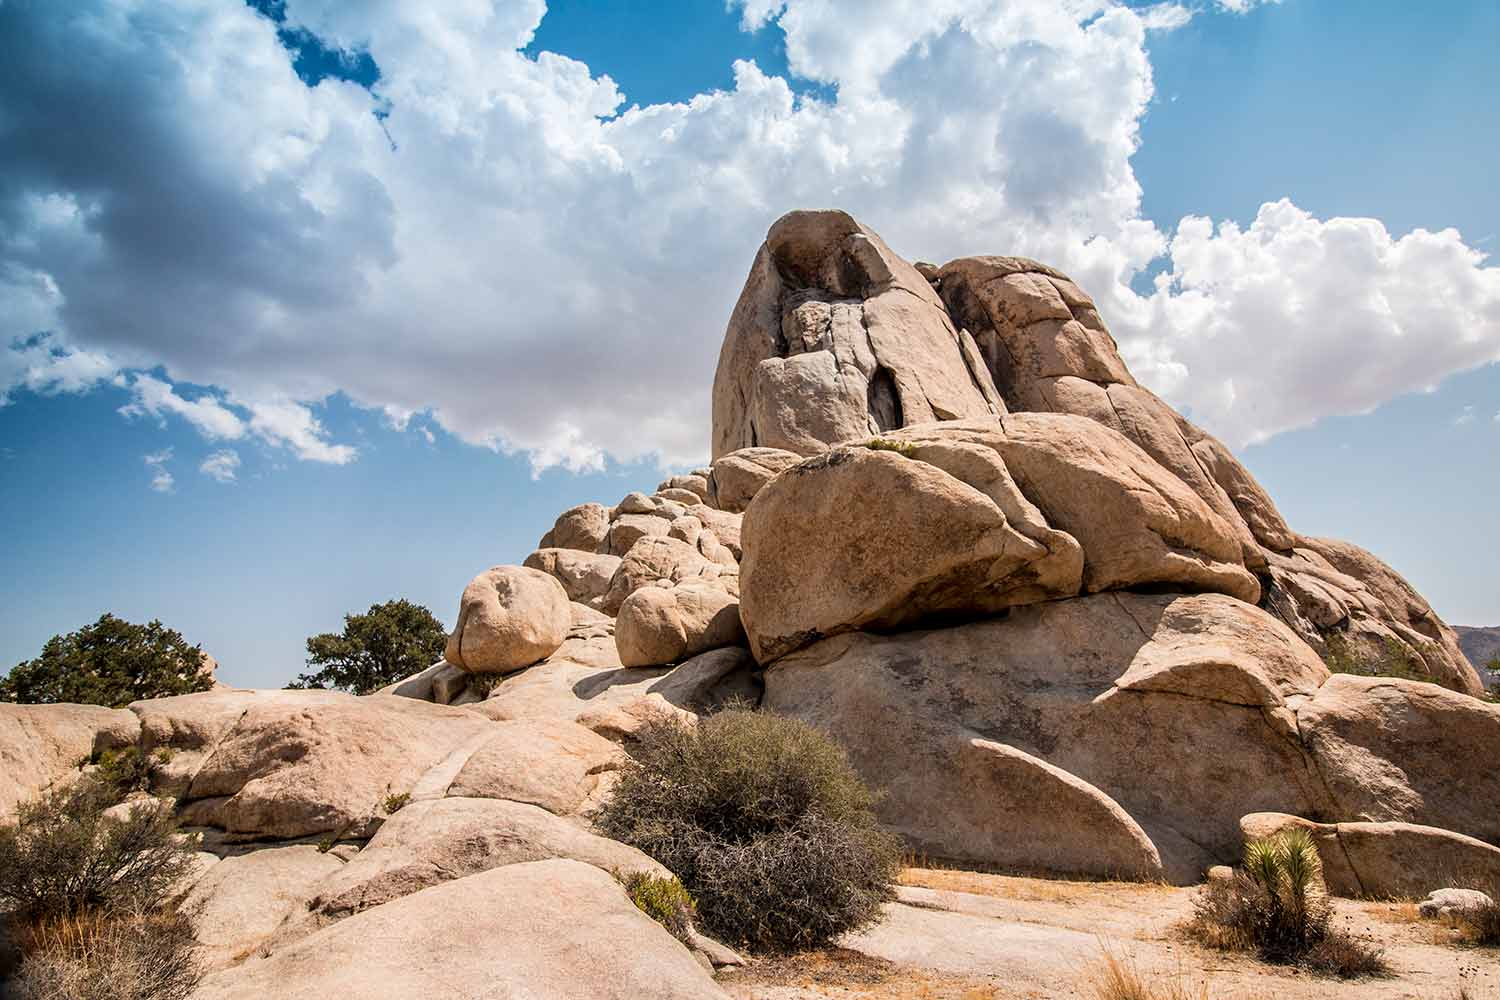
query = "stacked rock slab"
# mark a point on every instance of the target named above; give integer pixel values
(1048, 350)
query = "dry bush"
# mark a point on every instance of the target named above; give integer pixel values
(765, 823)
(63, 854)
(1480, 925)
(1116, 978)
(663, 900)
(94, 955)
(1277, 906)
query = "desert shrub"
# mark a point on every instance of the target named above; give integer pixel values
(664, 900)
(395, 803)
(63, 855)
(111, 662)
(97, 955)
(390, 641)
(1114, 977)
(763, 820)
(124, 771)
(904, 448)
(1481, 924)
(1276, 904)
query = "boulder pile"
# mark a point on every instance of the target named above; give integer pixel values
(1058, 626)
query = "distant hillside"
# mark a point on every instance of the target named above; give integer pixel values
(1480, 645)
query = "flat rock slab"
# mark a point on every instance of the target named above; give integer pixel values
(560, 930)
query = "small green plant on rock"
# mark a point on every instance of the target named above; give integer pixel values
(124, 771)
(903, 448)
(664, 900)
(764, 821)
(395, 803)
(1277, 905)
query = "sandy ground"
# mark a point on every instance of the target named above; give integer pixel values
(971, 936)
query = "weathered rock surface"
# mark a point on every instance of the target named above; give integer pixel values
(1384, 860)
(968, 518)
(43, 744)
(585, 576)
(551, 763)
(582, 527)
(1159, 719)
(1453, 902)
(836, 337)
(558, 929)
(294, 767)
(662, 625)
(239, 902)
(509, 617)
(657, 561)
(737, 476)
(443, 839)
(1401, 750)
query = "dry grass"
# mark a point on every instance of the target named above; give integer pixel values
(849, 974)
(106, 956)
(1114, 977)
(1022, 887)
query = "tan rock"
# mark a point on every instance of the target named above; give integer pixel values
(582, 527)
(656, 561)
(585, 674)
(1134, 696)
(509, 617)
(558, 929)
(970, 518)
(659, 625)
(551, 763)
(694, 484)
(739, 475)
(627, 529)
(836, 337)
(43, 744)
(725, 526)
(326, 765)
(1400, 750)
(239, 902)
(431, 842)
(584, 576)
(1385, 860)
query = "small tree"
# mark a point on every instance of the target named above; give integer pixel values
(111, 662)
(390, 641)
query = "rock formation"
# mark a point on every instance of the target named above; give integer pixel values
(1058, 626)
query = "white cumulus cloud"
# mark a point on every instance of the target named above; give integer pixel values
(162, 481)
(538, 266)
(221, 466)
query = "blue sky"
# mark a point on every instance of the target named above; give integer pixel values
(423, 334)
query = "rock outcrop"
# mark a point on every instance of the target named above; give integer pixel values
(509, 617)
(835, 337)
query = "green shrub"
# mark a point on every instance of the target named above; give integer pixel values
(124, 771)
(390, 641)
(111, 662)
(903, 448)
(395, 803)
(664, 900)
(1276, 904)
(106, 956)
(765, 823)
(63, 855)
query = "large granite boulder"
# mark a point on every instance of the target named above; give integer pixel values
(44, 744)
(1117, 734)
(968, 518)
(1386, 860)
(585, 576)
(559, 929)
(241, 901)
(1407, 751)
(661, 625)
(509, 617)
(737, 476)
(836, 337)
(297, 767)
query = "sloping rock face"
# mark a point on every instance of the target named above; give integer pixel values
(968, 518)
(44, 744)
(1113, 735)
(836, 337)
(558, 929)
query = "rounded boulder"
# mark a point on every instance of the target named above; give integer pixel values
(509, 617)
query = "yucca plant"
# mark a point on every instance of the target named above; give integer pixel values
(1288, 873)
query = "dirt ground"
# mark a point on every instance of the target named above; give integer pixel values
(972, 936)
